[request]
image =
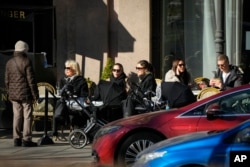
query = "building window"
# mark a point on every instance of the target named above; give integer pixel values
(182, 29)
(189, 32)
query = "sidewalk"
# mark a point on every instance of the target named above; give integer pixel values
(58, 154)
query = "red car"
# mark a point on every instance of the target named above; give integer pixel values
(118, 143)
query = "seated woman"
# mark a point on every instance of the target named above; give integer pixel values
(80, 89)
(112, 93)
(146, 82)
(176, 88)
(178, 73)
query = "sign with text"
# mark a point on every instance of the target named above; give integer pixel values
(16, 14)
(239, 158)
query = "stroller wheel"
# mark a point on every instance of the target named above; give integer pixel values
(78, 139)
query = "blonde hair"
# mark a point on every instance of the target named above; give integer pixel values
(74, 65)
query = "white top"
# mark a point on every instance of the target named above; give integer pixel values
(171, 77)
(224, 76)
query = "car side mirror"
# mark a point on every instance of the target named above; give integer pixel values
(212, 110)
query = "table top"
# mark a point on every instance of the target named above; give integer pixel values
(196, 91)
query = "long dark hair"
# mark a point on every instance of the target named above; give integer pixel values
(184, 77)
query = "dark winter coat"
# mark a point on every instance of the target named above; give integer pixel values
(234, 79)
(111, 92)
(147, 82)
(185, 77)
(20, 79)
(79, 84)
(177, 94)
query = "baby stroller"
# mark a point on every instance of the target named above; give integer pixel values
(111, 95)
(86, 113)
(139, 102)
(80, 137)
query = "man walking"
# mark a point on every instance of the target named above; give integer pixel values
(22, 92)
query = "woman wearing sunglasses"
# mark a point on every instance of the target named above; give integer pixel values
(145, 75)
(178, 73)
(111, 92)
(176, 89)
(145, 83)
(118, 76)
(72, 79)
(73, 76)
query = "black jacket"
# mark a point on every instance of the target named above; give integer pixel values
(79, 84)
(184, 77)
(234, 79)
(147, 83)
(177, 94)
(111, 92)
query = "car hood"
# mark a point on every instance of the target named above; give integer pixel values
(185, 140)
(152, 118)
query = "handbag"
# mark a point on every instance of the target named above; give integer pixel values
(61, 110)
(127, 107)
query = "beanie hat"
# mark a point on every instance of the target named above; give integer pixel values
(21, 46)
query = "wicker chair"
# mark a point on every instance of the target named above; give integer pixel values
(39, 109)
(206, 92)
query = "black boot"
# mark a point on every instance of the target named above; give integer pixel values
(29, 144)
(17, 142)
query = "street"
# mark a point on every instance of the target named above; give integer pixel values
(58, 154)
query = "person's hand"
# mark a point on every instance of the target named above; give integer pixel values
(34, 102)
(177, 72)
(87, 100)
(218, 84)
(215, 82)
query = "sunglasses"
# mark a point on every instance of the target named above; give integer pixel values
(221, 65)
(139, 68)
(116, 70)
(67, 68)
(180, 65)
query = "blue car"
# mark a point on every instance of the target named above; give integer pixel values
(229, 148)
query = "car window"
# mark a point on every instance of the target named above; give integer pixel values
(235, 103)
(196, 111)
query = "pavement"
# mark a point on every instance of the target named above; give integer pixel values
(54, 153)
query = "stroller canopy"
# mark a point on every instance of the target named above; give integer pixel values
(177, 94)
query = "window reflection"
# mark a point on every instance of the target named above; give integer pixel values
(189, 31)
(236, 103)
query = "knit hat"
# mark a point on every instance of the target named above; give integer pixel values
(21, 46)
